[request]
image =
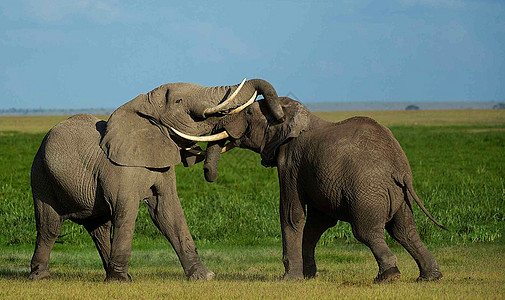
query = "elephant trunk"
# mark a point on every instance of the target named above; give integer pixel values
(267, 90)
(212, 156)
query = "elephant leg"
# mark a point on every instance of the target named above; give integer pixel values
(368, 218)
(292, 215)
(167, 214)
(315, 225)
(48, 223)
(373, 237)
(100, 233)
(403, 229)
(123, 226)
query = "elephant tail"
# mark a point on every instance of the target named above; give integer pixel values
(412, 192)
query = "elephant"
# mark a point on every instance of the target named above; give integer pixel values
(353, 171)
(95, 173)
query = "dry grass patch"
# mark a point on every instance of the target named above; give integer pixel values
(38, 124)
(424, 117)
(33, 124)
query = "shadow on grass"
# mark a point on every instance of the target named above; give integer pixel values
(14, 272)
(245, 277)
(179, 275)
(21, 273)
(146, 274)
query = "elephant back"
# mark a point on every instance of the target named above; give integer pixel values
(71, 154)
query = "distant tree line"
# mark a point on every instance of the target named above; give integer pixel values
(412, 107)
(499, 106)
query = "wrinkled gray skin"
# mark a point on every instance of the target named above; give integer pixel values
(354, 171)
(95, 173)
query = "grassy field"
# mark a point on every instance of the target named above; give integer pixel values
(458, 163)
(458, 173)
(253, 272)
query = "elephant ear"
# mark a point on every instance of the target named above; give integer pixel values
(133, 138)
(297, 120)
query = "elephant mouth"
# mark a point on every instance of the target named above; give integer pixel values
(219, 108)
(240, 108)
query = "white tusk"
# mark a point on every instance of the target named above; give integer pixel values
(207, 138)
(218, 108)
(228, 147)
(196, 152)
(240, 108)
(236, 91)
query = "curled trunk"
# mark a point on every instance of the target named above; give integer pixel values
(267, 90)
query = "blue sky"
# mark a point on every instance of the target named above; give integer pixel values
(103, 53)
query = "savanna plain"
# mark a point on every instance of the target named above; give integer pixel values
(458, 162)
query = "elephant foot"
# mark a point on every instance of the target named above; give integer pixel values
(114, 276)
(430, 276)
(293, 271)
(311, 275)
(39, 275)
(310, 272)
(390, 275)
(292, 276)
(201, 273)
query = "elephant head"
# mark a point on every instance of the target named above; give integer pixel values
(153, 129)
(255, 128)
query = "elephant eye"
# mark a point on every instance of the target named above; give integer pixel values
(179, 100)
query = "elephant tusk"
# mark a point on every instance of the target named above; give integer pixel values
(226, 148)
(218, 108)
(249, 102)
(196, 152)
(207, 138)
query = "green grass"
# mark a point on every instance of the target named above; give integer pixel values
(254, 272)
(458, 174)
